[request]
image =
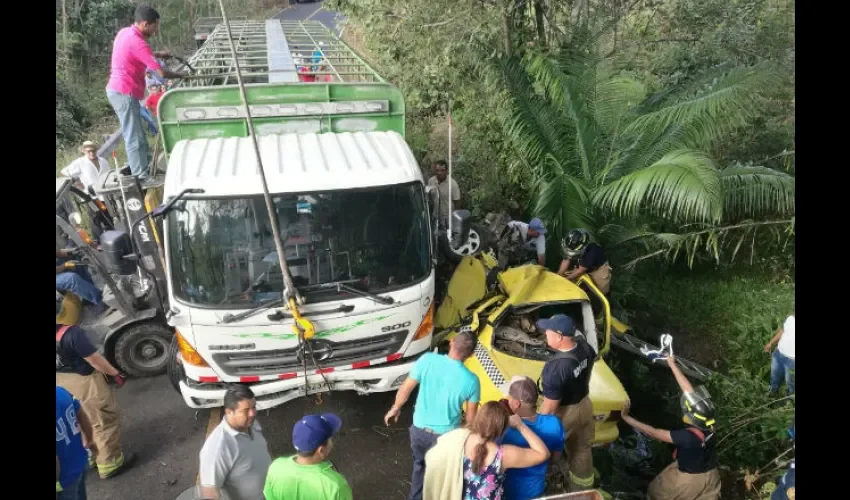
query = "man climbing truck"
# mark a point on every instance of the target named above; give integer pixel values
(352, 216)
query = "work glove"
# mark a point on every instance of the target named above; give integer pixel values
(120, 379)
(70, 265)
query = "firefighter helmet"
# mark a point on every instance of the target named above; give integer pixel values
(698, 408)
(575, 242)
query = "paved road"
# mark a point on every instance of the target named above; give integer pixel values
(167, 436)
(313, 11)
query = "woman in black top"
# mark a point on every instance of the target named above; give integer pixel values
(693, 475)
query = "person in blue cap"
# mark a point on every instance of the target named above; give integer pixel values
(309, 474)
(532, 237)
(566, 393)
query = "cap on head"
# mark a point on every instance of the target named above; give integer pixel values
(313, 431)
(537, 225)
(522, 389)
(560, 323)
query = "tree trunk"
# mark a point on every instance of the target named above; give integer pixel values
(538, 17)
(506, 34)
(65, 41)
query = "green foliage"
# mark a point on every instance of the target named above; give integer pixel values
(721, 317)
(649, 156)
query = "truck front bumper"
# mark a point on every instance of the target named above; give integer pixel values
(269, 394)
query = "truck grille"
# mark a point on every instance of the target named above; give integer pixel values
(279, 361)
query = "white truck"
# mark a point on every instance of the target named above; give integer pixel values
(353, 218)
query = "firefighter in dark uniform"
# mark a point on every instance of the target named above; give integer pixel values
(565, 382)
(693, 475)
(582, 256)
(82, 370)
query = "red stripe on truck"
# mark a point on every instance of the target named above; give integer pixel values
(361, 364)
(394, 357)
(207, 379)
(252, 378)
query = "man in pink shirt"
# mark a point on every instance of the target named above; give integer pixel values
(131, 57)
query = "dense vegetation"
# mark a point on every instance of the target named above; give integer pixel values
(666, 127)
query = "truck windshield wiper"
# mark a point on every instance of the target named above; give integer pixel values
(230, 318)
(377, 298)
(341, 286)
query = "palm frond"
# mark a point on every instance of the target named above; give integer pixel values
(683, 185)
(718, 109)
(713, 241)
(531, 124)
(750, 191)
(615, 98)
(563, 202)
(565, 92)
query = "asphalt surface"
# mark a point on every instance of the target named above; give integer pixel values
(313, 11)
(167, 436)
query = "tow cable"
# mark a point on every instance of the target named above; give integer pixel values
(303, 328)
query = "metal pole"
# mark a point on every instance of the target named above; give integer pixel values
(450, 173)
(289, 287)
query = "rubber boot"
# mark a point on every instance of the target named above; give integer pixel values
(123, 463)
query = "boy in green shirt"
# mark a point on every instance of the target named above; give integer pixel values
(308, 475)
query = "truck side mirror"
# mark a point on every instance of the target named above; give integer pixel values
(461, 223)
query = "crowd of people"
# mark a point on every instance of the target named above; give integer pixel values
(462, 449)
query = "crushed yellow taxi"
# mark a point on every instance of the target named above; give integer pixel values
(502, 307)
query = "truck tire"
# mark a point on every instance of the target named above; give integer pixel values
(475, 244)
(142, 349)
(174, 368)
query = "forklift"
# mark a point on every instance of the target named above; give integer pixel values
(132, 330)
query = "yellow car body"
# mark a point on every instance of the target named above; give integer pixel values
(523, 290)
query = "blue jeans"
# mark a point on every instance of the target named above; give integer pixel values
(146, 116)
(80, 284)
(75, 490)
(781, 367)
(420, 442)
(129, 113)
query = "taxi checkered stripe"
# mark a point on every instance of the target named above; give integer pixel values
(489, 367)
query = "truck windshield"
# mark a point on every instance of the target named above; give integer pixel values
(223, 254)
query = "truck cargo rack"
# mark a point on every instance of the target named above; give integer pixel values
(276, 51)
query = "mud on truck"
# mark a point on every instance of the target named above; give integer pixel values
(353, 218)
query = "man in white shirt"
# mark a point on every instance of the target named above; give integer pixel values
(86, 168)
(782, 362)
(235, 458)
(532, 237)
(448, 190)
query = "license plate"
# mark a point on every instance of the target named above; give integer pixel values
(320, 387)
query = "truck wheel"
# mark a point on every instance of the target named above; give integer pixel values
(475, 244)
(174, 368)
(142, 350)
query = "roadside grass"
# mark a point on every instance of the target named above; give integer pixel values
(721, 318)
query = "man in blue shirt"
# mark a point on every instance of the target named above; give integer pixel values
(73, 436)
(446, 389)
(530, 482)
